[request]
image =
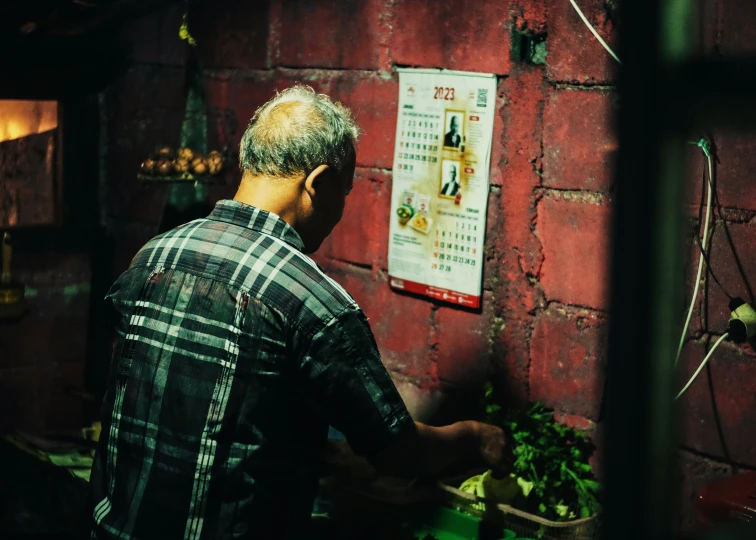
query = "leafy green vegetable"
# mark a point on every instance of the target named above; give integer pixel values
(551, 462)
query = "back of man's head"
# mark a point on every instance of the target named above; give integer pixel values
(295, 132)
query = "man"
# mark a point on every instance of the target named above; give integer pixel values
(451, 188)
(452, 138)
(235, 352)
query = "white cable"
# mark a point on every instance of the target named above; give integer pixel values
(700, 368)
(700, 259)
(593, 30)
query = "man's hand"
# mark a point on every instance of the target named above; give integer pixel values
(495, 450)
(430, 450)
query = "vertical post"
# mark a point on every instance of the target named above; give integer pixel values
(646, 274)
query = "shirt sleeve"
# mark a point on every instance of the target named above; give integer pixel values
(347, 381)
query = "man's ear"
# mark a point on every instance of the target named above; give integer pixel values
(315, 179)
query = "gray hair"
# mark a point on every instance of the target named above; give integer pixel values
(295, 132)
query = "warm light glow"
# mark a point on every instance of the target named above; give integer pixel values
(21, 118)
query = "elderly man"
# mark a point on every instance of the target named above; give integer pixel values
(451, 188)
(452, 139)
(235, 352)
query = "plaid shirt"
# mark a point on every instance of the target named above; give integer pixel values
(234, 354)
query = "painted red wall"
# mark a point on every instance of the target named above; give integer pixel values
(542, 330)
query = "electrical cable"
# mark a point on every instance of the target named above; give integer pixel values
(704, 145)
(711, 271)
(700, 217)
(700, 368)
(593, 31)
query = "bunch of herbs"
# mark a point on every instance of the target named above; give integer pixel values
(551, 460)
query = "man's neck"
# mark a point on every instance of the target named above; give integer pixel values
(268, 194)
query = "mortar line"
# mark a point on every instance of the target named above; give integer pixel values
(557, 303)
(717, 459)
(572, 85)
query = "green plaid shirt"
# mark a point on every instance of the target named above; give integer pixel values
(234, 354)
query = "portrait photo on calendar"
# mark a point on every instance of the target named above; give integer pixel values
(453, 131)
(450, 184)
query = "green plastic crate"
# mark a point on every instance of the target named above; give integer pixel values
(447, 524)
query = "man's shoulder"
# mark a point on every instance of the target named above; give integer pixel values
(263, 266)
(306, 294)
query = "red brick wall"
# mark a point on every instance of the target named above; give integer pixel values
(542, 330)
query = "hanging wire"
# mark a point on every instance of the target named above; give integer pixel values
(593, 31)
(706, 148)
(700, 368)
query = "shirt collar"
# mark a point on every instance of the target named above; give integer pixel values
(244, 215)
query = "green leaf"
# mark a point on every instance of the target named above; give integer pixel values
(591, 484)
(492, 409)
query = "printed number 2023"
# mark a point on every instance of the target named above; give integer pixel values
(444, 93)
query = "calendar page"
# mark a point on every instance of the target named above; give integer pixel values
(440, 183)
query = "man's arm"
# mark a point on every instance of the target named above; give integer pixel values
(428, 450)
(347, 381)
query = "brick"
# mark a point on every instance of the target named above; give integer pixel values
(517, 249)
(147, 88)
(579, 145)
(738, 28)
(422, 402)
(362, 235)
(34, 399)
(522, 151)
(708, 37)
(691, 270)
(695, 181)
(232, 34)
(322, 260)
(567, 355)
(727, 267)
(511, 358)
(575, 242)
(441, 33)
(720, 400)
(736, 159)
(371, 97)
(343, 34)
(400, 323)
(579, 423)
(574, 54)
(694, 472)
(462, 344)
(498, 159)
(232, 101)
(492, 241)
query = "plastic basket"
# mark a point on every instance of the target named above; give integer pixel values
(524, 524)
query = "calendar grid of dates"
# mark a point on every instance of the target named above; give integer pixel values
(419, 141)
(455, 247)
